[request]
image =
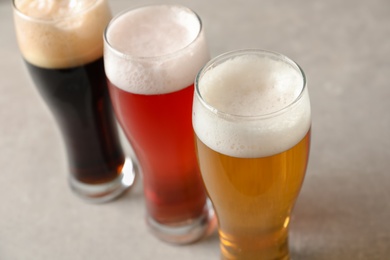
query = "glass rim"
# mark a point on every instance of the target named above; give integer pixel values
(235, 53)
(53, 19)
(166, 56)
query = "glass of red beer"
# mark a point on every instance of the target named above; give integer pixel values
(152, 55)
(62, 46)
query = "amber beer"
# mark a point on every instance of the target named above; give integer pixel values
(252, 121)
(152, 55)
(62, 46)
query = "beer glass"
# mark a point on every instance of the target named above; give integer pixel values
(152, 55)
(251, 116)
(62, 46)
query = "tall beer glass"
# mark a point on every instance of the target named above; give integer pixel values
(251, 116)
(62, 46)
(152, 55)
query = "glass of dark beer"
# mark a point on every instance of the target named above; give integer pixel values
(62, 46)
(252, 119)
(152, 55)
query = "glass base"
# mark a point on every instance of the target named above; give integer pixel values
(264, 244)
(100, 193)
(185, 232)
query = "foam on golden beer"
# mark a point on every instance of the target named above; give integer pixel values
(154, 49)
(256, 107)
(61, 33)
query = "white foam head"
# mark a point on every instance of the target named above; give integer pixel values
(154, 49)
(251, 103)
(61, 33)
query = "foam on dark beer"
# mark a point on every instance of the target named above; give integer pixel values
(51, 42)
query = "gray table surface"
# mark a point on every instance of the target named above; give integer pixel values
(343, 210)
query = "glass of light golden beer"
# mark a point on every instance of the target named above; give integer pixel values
(62, 47)
(252, 119)
(152, 55)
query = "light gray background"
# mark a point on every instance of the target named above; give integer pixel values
(343, 210)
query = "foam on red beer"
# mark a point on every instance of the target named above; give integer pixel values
(154, 49)
(256, 89)
(61, 33)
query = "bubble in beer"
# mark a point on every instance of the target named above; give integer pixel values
(52, 9)
(251, 86)
(248, 94)
(66, 33)
(158, 45)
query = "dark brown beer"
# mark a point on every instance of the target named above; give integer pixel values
(61, 43)
(78, 98)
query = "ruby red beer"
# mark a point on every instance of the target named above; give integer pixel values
(152, 55)
(61, 43)
(252, 120)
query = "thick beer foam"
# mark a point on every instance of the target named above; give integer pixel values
(61, 33)
(154, 49)
(271, 113)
